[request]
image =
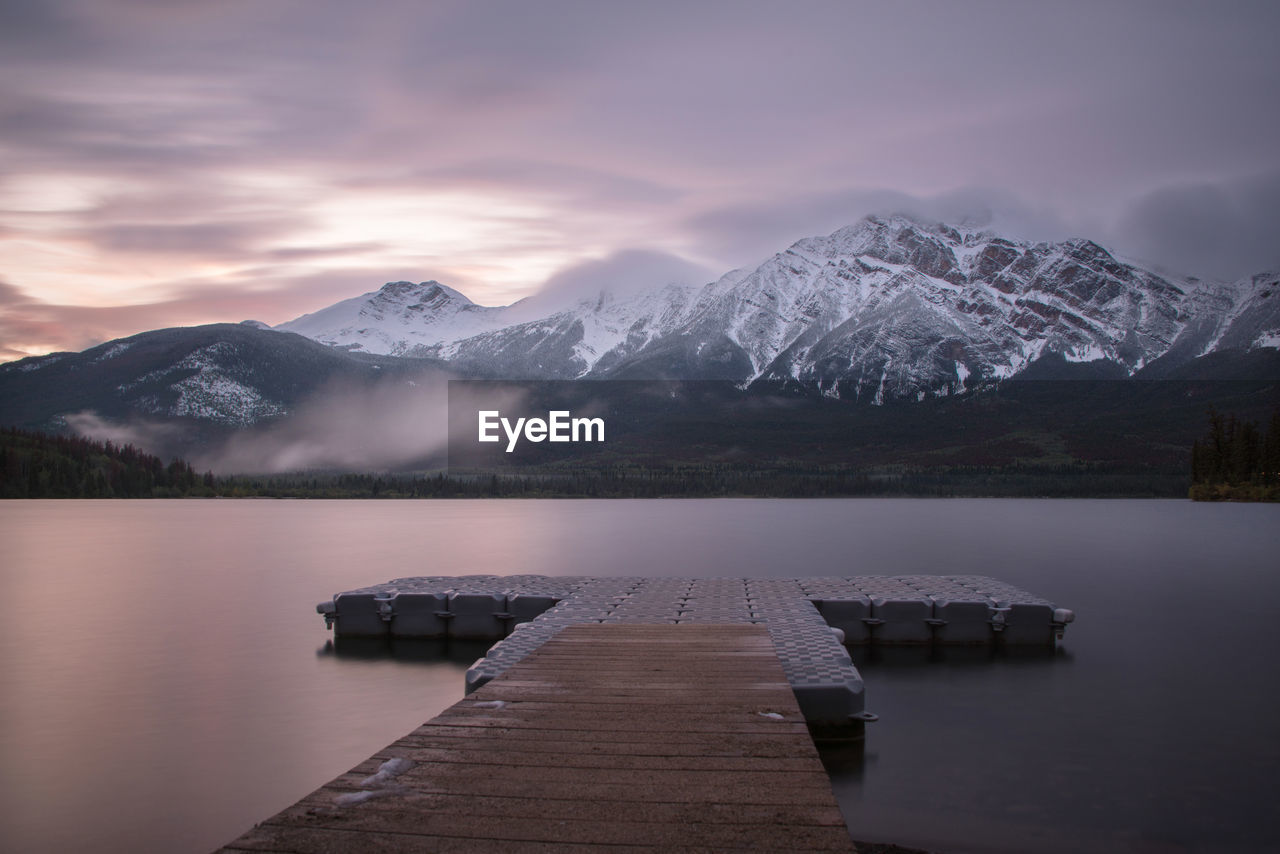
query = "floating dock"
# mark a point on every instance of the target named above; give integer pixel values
(646, 713)
(810, 620)
(681, 736)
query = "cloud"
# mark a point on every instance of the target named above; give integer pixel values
(1223, 230)
(393, 424)
(623, 274)
(10, 295)
(153, 437)
(298, 253)
(202, 240)
(546, 179)
(398, 423)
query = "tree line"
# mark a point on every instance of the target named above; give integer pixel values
(1236, 460)
(37, 465)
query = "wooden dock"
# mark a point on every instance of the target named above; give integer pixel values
(621, 736)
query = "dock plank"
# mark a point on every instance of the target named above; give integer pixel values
(623, 736)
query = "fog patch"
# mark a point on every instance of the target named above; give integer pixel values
(624, 274)
(152, 437)
(397, 423)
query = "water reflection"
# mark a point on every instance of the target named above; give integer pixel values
(870, 658)
(407, 650)
(846, 760)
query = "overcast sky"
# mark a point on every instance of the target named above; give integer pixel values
(170, 163)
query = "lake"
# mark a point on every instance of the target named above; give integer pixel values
(167, 683)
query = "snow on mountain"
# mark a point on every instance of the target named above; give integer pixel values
(886, 308)
(1254, 321)
(396, 318)
(591, 335)
(229, 375)
(204, 384)
(929, 309)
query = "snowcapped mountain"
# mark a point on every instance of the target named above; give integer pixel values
(396, 318)
(887, 308)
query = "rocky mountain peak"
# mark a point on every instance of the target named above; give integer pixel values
(430, 293)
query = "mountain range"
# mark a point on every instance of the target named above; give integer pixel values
(886, 310)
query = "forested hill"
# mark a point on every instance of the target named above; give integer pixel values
(34, 465)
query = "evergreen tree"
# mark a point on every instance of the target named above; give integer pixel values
(1270, 459)
(1236, 460)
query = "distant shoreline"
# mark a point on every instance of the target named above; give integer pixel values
(692, 482)
(36, 465)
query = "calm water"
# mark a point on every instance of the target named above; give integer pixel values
(166, 682)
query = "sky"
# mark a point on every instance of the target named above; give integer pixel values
(168, 163)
